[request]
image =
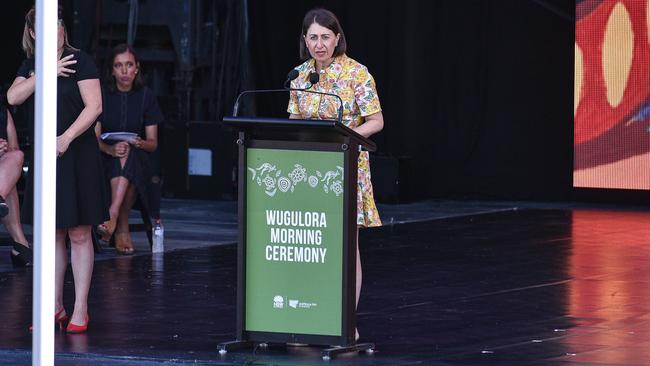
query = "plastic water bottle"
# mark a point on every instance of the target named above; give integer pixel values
(158, 238)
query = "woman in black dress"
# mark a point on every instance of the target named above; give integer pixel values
(129, 106)
(11, 166)
(80, 198)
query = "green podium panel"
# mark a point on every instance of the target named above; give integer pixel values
(294, 241)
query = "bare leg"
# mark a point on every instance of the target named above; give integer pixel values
(11, 167)
(118, 188)
(12, 220)
(11, 164)
(119, 185)
(123, 242)
(82, 257)
(125, 207)
(61, 265)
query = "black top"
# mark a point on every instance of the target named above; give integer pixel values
(129, 111)
(81, 196)
(69, 102)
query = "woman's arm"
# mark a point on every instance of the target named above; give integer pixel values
(151, 143)
(373, 124)
(92, 97)
(119, 150)
(21, 89)
(103, 147)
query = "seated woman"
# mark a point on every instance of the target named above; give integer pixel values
(129, 106)
(11, 167)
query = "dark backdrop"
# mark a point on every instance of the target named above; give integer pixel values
(12, 20)
(477, 95)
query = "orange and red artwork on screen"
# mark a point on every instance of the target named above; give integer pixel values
(612, 94)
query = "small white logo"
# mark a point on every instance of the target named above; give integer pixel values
(293, 303)
(278, 302)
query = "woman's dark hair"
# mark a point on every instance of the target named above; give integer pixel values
(327, 19)
(138, 82)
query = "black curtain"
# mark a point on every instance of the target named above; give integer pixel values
(12, 21)
(477, 95)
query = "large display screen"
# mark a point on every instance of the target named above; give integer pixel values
(611, 99)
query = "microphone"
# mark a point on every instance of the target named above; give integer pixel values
(313, 78)
(293, 74)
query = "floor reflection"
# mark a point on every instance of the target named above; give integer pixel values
(609, 295)
(525, 287)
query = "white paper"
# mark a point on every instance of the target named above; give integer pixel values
(119, 136)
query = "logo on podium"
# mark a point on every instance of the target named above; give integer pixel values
(278, 302)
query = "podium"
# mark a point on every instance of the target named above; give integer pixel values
(297, 211)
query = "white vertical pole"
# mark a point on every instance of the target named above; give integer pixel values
(44, 182)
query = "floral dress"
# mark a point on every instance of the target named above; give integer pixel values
(352, 82)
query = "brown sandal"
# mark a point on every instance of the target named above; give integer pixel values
(123, 243)
(106, 229)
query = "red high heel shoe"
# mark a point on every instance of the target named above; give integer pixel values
(77, 329)
(60, 320)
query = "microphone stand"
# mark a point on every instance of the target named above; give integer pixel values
(287, 88)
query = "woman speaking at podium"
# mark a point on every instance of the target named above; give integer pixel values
(323, 46)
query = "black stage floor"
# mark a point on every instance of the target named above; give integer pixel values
(527, 286)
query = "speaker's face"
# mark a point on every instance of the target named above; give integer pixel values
(321, 43)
